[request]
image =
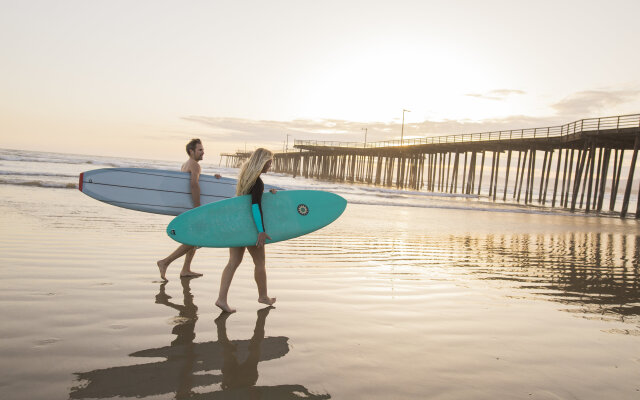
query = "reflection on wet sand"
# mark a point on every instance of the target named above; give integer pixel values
(594, 272)
(597, 272)
(188, 367)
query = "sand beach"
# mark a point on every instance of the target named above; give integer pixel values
(389, 301)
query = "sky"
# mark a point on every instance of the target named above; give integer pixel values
(140, 78)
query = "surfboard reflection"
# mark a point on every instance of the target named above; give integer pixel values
(189, 369)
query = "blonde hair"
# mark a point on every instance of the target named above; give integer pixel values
(251, 170)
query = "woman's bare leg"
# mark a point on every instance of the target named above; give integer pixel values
(260, 274)
(235, 258)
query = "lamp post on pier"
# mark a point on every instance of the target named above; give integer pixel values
(365, 136)
(402, 131)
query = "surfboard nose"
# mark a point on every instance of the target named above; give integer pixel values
(338, 203)
(319, 208)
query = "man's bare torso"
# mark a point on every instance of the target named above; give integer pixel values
(191, 166)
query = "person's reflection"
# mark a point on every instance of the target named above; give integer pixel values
(239, 378)
(185, 334)
(235, 374)
(187, 313)
(190, 370)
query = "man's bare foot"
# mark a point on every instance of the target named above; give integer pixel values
(267, 300)
(225, 307)
(162, 266)
(190, 274)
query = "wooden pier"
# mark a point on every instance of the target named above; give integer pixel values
(578, 166)
(234, 160)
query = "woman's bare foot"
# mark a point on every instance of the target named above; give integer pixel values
(222, 318)
(225, 307)
(267, 300)
(190, 274)
(162, 266)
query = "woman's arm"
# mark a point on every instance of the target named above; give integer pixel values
(256, 204)
(256, 211)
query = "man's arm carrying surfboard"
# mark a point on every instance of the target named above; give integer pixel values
(194, 169)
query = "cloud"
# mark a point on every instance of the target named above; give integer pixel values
(249, 128)
(232, 132)
(272, 134)
(499, 94)
(593, 101)
(323, 129)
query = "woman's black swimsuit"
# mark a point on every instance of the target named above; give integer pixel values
(256, 203)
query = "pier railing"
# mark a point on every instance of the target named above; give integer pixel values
(580, 126)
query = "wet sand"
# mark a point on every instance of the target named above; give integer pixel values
(387, 302)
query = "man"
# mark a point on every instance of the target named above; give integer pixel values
(195, 150)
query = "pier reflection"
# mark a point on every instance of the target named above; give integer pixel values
(597, 272)
(591, 272)
(191, 370)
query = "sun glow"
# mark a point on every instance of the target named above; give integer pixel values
(375, 82)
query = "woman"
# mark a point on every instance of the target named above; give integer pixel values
(249, 182)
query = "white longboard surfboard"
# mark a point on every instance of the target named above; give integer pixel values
(153, 190)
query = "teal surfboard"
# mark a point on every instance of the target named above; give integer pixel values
(229, 223)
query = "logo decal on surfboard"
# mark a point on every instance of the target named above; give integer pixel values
(303, 209)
